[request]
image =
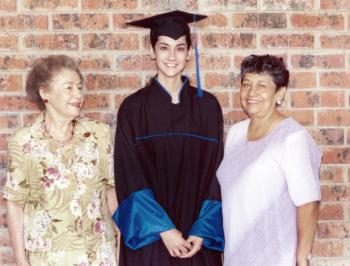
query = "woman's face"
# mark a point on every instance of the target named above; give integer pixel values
(64, 95)
(170, 55)
(259, 96)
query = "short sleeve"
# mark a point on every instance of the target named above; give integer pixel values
(300, 163)
(107, 158)
(16, 188)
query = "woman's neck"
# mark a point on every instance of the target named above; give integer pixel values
(60, 128)
(172, 86)
(259, 127)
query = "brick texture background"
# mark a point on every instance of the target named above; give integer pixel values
(311, 35)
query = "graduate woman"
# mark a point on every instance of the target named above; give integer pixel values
(168, 148)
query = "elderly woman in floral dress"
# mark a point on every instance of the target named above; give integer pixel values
(60, 186)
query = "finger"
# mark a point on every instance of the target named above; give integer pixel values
(183, 249)
(191, 253)
(187, 244)
(177, 252)
(171, 253)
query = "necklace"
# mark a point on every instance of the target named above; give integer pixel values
(58, 141)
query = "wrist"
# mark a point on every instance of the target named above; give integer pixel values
(304, 260)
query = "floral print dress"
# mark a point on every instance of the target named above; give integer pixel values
(63, 191)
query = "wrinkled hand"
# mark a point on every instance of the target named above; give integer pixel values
(196, 243)
(175, 243)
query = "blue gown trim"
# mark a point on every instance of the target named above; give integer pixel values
(181, 89)
(141, 219)
(177, 134)
(209, 225)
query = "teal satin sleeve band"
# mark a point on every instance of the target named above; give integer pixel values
(140, 219)
(209, 225)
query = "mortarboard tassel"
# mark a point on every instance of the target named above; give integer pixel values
(199, 85)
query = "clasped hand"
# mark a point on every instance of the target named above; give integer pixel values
(177, 246)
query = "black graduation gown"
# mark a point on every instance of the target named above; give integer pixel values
(166, 157)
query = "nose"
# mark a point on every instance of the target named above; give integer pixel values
(252, 90)
(172, 54)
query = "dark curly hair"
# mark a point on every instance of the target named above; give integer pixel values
(42, 73)
(268, 64)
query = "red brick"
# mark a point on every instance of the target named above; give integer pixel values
(9, 121)
(233, 117)
(335, 41)
(109, 4)
(210, 62)
(217, 20)
(10, 82)
(327, 248)
(335, 79)
(332, 174)
(16, 103)
(135, 63)
(52, 41)
(335, 4)
(238, 59)
(236, 100)
(317, 21)
(224, 80)
(102, 117)
(304, 117)
(24, 22)
(305, 99)
(333, 117)
(5, 239)
(118, 99)
(8, 5)
(228, 40)
(331, 211)
(81, 21)
(336, 155)
(165, 4)
(120, 19)
(7, 258)
(96, 101)
(288, 4)
(3, 142)
(14, 63)
(223, 98)
(336, 230)
(328, 136)
(230, 4)
(50, 4)
(305, 40)
(320, 61)
(259, 20)
(8, 42)
(110, 41)
(332, 99)
(28, 119)
(302, 80)
(95, 62)
(108, 81)
(331, 193)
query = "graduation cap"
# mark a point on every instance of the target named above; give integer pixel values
(172, 24)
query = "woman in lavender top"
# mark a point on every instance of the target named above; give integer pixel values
(269, 175)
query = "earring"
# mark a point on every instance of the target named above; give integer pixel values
(279, 102)
(45, 100)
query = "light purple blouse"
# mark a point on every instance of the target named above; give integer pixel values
(262, 182)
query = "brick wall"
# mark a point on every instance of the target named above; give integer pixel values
(312, 36)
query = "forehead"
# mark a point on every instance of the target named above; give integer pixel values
(260, 77)
(170, 41)
(66, 75)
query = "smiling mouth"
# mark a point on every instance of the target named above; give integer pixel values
(171, 65)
